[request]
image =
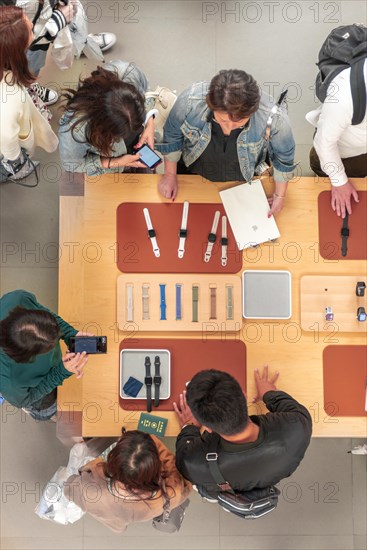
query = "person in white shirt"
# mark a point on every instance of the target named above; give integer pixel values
(23, 127)
(340, 149)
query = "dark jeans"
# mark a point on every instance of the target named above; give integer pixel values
(355, 167)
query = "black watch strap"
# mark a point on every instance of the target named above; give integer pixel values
(148, 382)
(345, 234)
(157, 380)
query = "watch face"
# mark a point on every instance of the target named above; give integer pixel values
(362, 317)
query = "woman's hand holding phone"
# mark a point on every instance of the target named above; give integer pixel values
(147, 136)
(75, 362)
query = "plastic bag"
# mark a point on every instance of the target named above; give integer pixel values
(62, 49)
(79, 34)
(53, 505)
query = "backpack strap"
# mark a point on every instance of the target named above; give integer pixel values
(38, 12)
(358, 88)
(212, 460)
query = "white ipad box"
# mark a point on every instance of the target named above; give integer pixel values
(247, 210)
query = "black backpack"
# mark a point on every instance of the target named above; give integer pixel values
(344, 47)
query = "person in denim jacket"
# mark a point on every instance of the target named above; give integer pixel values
(219, 131)
(105, 120)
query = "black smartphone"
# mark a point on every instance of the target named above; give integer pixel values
(149, 157)
(90, 344)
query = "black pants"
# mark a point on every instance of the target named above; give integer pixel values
(355, 167)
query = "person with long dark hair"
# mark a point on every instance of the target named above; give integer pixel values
(31, 363)
(138, 477)
(48, 18)
(22, 126)
(105, 120)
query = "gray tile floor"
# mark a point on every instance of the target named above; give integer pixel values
(323, 505)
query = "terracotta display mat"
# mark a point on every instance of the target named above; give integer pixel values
(135, 253)
(204, 323)
(337, 292)
(330, 225)
(187, 358)
(345, 375)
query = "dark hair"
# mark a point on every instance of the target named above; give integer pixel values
(135, 463)
(14, 40)
(217, 401)
(26, 333)
(234, 92)
(112, 109)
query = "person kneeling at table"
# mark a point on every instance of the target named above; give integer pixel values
(222, 131)
(133, 485)
(31, 363)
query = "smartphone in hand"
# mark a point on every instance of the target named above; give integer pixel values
(148, 156)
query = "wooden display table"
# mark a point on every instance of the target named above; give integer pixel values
(87, 299)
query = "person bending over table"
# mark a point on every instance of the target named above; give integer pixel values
(219, 130)
(105, 119)
(133, 485)
(31, 364)
(254, 451)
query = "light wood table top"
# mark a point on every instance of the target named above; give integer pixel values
(87, 299)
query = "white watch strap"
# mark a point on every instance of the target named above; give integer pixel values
(183, 230)
(212, 237)
(151, 233)
(224, 241)
(130, 302)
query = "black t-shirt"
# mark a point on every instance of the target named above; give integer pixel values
(219, 161)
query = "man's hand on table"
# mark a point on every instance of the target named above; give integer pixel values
(341, 198)
(183, 412)
(168, 186)
(263, 384)
(276, 204)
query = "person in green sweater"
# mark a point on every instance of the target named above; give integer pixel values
(31, 363)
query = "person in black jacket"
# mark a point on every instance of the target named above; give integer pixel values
(254, 451)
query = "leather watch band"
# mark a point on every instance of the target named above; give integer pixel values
(195, 303)
(178, 302)
(345, 235)
(148, 382)
(183, 230)
(157, 379)
(145, 299)
(163, 305)
(130, 302)
(151, 233)
(213, 302)
(229, 302)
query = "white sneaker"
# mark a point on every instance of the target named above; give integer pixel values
(48, 95)
(105, 40)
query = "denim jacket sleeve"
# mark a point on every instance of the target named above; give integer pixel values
(282, 148)
(75, 154)
(173, 138)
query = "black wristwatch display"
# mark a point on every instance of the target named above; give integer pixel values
(148, 382)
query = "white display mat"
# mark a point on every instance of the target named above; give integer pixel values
(267, 294)
(132, 364)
